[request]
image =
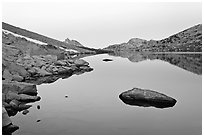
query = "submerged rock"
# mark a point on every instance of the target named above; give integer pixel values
(146, 98)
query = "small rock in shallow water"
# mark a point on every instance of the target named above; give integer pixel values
(107, 60)
(25, 112)
(38, 120)
(66, 96)
(38, 106)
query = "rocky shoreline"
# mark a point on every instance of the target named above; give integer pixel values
(26, 64)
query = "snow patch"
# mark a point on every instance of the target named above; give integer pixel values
(29, 39)
(68, 50)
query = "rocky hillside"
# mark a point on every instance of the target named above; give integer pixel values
(74, 45)
(189, 40)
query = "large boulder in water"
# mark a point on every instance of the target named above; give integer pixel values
(146, 98)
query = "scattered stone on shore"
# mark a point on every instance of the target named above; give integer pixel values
(28, 98)
(7, 75)
(80, 62)
(5, 118)
(7, 126)
(19, 87)
(12, 96)
(17, 78)
(60, 63)
(146, 98)
(23, 106)
(15, 104)
(107, 60)
(42, 72)
(8, 130)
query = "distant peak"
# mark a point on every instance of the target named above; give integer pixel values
(73, 42)
(136, 41)
(67, 40)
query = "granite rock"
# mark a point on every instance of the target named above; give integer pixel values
(146, 98)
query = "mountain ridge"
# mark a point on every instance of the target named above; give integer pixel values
(188, 40)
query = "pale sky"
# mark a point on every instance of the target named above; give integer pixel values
(99, 24)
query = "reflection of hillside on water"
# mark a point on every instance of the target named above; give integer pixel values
(190, 62)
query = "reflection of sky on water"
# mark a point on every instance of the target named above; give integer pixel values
(93, 106)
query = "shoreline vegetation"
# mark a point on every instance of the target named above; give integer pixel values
(26, 64)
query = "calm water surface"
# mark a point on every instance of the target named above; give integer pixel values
(93, 105)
